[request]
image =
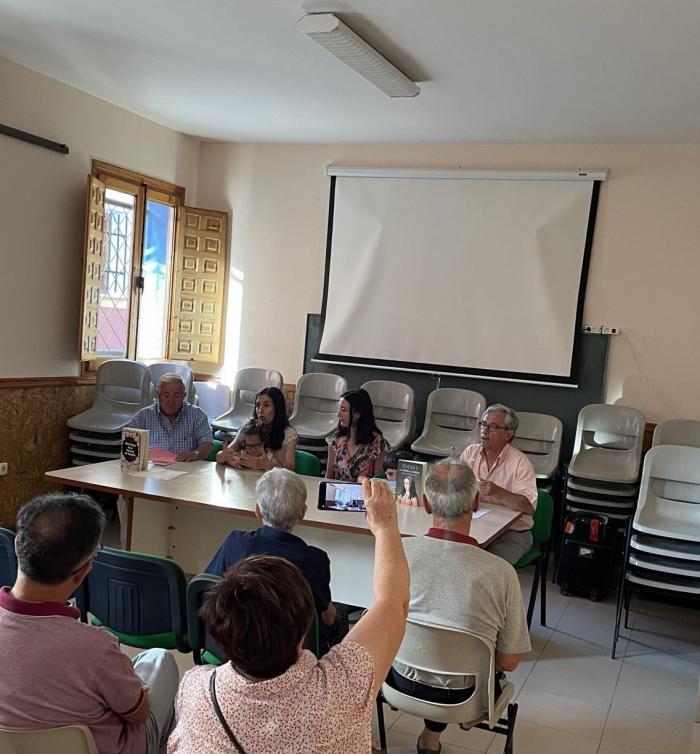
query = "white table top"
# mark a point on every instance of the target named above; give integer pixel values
(217, 487)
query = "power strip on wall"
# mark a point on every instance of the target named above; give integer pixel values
(601, 330)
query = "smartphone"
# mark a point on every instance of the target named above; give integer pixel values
(342, 496)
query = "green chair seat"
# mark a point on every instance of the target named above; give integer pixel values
(218, 445)
(306, 463)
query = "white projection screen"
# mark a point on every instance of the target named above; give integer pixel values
(458, 272)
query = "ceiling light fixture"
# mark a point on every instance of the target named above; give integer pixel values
(330, 32)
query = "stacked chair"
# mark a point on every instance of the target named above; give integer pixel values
(214, 398)
(539, 437)
(248, 383)
(122, 388)
(451, 422)
(315, 413)
(663, 550)
(603, 476)
(394, 412)
(166, 367)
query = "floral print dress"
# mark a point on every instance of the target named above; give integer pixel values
(347, 468)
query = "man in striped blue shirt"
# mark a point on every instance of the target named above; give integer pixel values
(174, 424)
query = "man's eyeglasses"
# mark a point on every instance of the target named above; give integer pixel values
(99, 549)
(492, 427)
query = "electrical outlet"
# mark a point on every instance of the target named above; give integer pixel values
(3, 469)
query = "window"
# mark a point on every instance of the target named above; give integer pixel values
(153, 272)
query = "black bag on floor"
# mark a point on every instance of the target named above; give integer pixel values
(587, 555)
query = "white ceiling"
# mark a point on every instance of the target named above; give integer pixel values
(489, 70)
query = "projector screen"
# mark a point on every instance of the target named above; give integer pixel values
(475, 273)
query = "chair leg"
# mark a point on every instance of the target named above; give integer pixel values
(618, 615)
(512, 714)
(533, 592)
(380, 722)
(628, 594)
(543, 591)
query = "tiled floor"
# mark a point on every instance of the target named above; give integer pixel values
(573, 699)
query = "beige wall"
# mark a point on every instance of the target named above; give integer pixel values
(42, 208)
(644, 269)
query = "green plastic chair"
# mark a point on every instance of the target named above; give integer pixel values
(539, 554)
(8, 560)
(139, 598)
(306, 463)
(218, 445)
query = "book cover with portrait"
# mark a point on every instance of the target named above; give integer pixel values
(410, 481)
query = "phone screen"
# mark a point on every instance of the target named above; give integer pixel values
(342, 496)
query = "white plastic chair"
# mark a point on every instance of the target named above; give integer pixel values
(248, 383)
(165, 367)
(539, 437)
(71, 739)
(449, 651)
(214, 398)
(451, 421)
(669, 495)
(393, 410)
(122, 388)
(677, 432)
(316, 405)
(608, 444)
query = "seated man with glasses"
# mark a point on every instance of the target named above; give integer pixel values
(57, 671)
(506, 477)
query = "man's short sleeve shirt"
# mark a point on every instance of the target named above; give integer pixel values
(190, 430)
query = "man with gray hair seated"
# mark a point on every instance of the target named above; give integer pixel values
(175, 424)
(457, 584)
(506, 477)
(281, 503)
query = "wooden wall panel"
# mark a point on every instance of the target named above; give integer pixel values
(34, 439)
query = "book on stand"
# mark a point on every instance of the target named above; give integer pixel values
(134, 456)
(410, 481)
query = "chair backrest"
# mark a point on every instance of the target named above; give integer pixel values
(214, 398)
(198, 634)
(669, 493)
(71, 739)
(306, 463)
(452, 417)
(8, 560)
(613, 427)
(450, 651)
(139, 598)
(248, 383)
(393, 404)
(316, 402)
(122, 385)
(166, 367)
(677, 432)
(542, 519)
(539, 437)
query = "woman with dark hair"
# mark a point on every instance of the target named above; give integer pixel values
(279, 438)
(357, 447)
(274, 696)
(408, 494)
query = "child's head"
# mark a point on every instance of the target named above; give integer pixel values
(391, 462)
(251, 439)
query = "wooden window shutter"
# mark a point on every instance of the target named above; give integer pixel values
(199, 278)
(92, 267)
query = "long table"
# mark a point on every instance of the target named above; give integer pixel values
(187, 517)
